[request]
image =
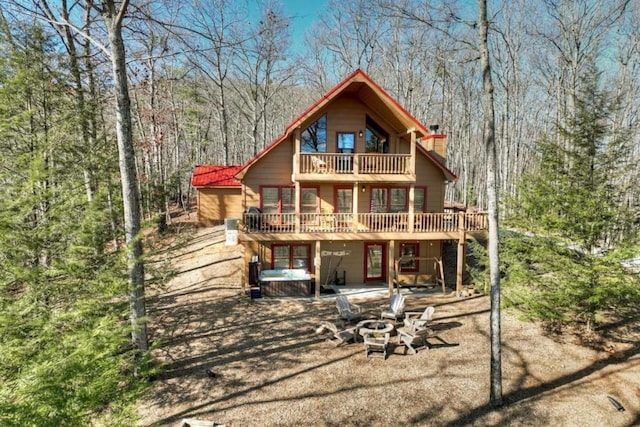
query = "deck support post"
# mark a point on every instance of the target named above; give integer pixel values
(461, 253)
(317, 263)
(391, 265)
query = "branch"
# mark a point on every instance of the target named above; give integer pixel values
(46, 16)
(121, 13)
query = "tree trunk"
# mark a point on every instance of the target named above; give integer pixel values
(492, 202)
(130, 194)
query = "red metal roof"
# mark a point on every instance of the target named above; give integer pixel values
(215, 176)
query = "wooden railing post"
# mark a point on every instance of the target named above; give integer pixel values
(462, 238)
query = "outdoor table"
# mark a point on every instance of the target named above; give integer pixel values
(373, 327)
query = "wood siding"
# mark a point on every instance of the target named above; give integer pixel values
(216, 204)
(274, 169)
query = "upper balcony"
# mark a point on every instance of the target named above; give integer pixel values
(358, 167)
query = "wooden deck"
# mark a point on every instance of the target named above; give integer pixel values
(341, 226)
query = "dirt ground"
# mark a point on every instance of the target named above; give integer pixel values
(241, 362)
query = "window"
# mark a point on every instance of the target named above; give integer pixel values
(419, 199)
(346, 142)
(278, 200)
(314, 138)
(309, 200)
(389, 200)
(394, 200)
(344, 200)
(379, 200)
(376, 139)
(270, 198)
(409, 249)
(290, 256)
(398, 201)
(288, 200)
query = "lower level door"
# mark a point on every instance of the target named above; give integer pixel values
(375, 255)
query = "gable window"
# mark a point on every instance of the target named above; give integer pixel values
(290, 256)
(376, 139)
(314, 138)
(409, 249)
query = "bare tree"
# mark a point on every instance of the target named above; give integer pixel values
(209, 40)
(113, 15)
(262, 70)
(492, 199)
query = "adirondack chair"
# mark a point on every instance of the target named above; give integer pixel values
(347, 311)
(336, 335)
(376, 344)
(395, 309)
(412, 337)
(415, 319)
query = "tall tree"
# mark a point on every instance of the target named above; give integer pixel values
(576, 204)
(113, 15)
(492, 200)
(262, 70)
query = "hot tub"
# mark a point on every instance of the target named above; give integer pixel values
(286, 282)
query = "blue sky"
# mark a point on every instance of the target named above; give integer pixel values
(302, 13)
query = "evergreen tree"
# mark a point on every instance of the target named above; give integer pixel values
(64, 354)
(574, 205)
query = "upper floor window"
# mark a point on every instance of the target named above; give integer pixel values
(314, 138)
(376, 139)
(346, 142)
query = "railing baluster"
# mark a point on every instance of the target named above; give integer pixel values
(367, 222)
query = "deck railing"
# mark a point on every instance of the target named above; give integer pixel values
(364, 222)
(369, 163)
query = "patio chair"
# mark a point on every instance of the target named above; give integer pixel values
(337, 336)
(376, 344)
(415, 319)
(413, 337)
(395, 309)
(347, 311)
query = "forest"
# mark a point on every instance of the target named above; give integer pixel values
(107, 106)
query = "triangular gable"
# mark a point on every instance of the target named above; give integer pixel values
(215, 176)
(358, 76)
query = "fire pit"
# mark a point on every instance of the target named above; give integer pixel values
(373, 327)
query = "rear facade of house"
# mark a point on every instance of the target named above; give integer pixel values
(353, 184)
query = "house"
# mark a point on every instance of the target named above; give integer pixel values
(218, 193)
(353, 184)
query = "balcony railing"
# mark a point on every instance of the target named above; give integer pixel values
(359, 163)
(365, 223)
